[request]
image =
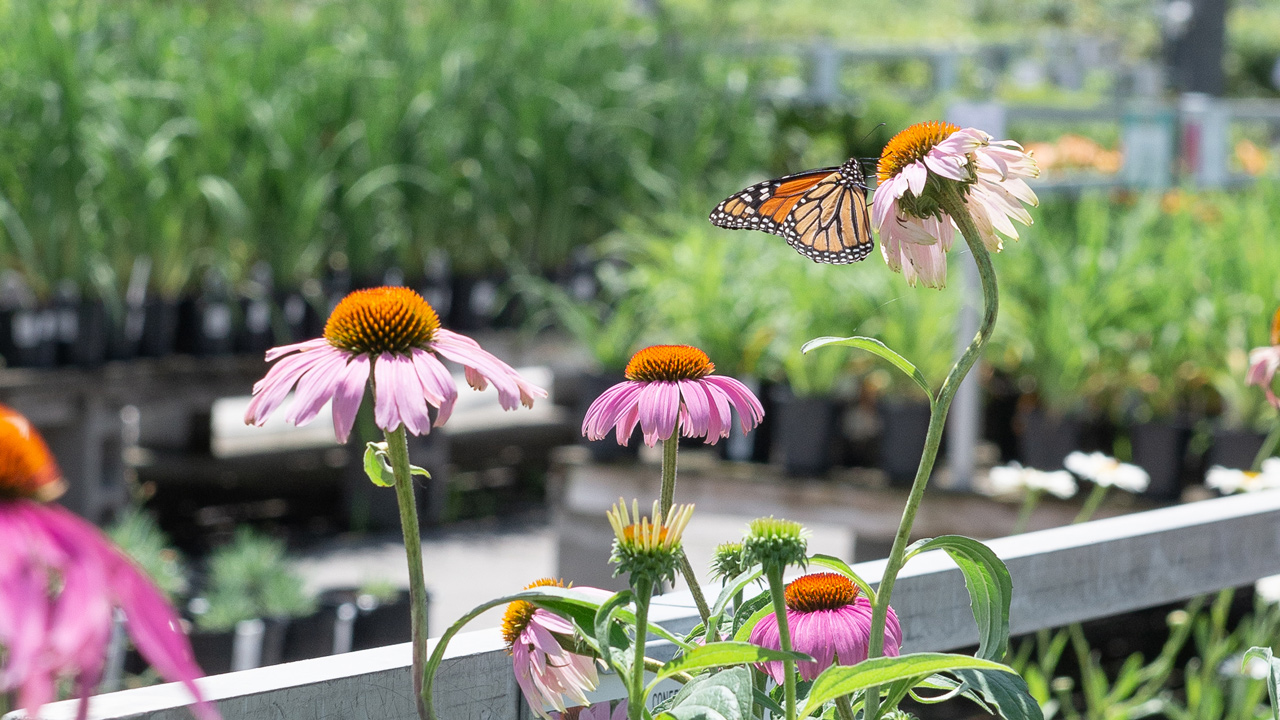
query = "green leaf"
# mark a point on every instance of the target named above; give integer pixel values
(1000, 692)
(875, 347)
(840, 680)
(1272, 680)
(990, 588)
(745, 616)
(720, 654)
(842, 567)
(605, 637)
(744, 632)
(725, 695)
(376, 465)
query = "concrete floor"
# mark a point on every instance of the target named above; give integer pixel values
(465, 565)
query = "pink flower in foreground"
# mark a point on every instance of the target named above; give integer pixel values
(393, 335)
(546, 672)
(1264, 361)
(60, 582)
(915, 232)
(666, 383)
(829, 621)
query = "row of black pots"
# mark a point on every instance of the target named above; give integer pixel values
(808, 436)
(86, 333)
(345, 620)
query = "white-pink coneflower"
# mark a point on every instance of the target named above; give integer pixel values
(393, 335)
(666, 384)
(915, 231)
(546, 672)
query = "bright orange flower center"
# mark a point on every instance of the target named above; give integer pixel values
(381, 320)
(911, 145)
(820, 591)
(630, 533)
(1275, 329)
(670, 363)
(27, 468)
(520, 613)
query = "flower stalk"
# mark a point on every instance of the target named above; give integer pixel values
(666, 497)
(1091, 504)
(776, 593)
(642, 589)
(953, 204)
(398, 453)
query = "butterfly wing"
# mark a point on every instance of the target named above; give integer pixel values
(821, 213)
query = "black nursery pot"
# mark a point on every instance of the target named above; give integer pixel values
(159, 327)
(386, 623)
(590, 387)
(28, 337)
(84, 331)
(753, 445)
(1160, 448)
(904, 428)
(474, 303)
(806, 433)
(1047, 439)
(254, 333)
(205, 327)
(1235, 448)
(213, 650)
(299, 319)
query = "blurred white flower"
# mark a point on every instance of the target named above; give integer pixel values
(1106, 471)
(1229, 480)
(1012, 478)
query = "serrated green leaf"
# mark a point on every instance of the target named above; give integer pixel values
(989, 585)
(744, 632)
(839, 680)
(726, 694)
(1001, 692)
(376, 465)
(720, 654)
(875, 347)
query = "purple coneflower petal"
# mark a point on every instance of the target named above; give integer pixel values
(348, 393)
(720, 416)
(513, 390)
(659, 407)
(272, 389)
(607, 409)
(317, 386)
(916, 174)
(277, 352)
(694, 401)
(437, 384)
(750, 411)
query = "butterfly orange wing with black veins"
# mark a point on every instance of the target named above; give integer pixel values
(821, 213)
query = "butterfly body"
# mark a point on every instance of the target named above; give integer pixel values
(821, 213)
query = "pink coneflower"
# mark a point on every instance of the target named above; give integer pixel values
(666, 383)
(829, 621)
(60, 582)
(1264, 361)
(394, 335)
(545, 671)
(915, 231)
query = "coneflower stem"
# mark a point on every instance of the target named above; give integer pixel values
(1091, 504)
(953, 204)
(844, 708)
(642, 589)
(398, 453)
(776, 588)
(666, 499)
(1030, 499)
(1268, 446)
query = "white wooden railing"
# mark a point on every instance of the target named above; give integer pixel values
(1060, 576)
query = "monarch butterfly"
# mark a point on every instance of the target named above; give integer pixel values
(821, 213)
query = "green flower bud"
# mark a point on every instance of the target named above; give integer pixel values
(775, 544)
(727, 561)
